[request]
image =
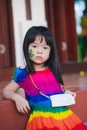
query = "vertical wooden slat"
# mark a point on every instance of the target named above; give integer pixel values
(71, 30)
(28, 9)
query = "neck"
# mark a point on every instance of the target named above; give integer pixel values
(40, 67)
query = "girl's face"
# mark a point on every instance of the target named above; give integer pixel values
(39, 51)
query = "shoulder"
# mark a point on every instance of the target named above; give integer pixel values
(19, 74)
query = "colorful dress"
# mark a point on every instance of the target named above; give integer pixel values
(43, 115)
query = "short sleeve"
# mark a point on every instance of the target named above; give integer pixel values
(19, 74)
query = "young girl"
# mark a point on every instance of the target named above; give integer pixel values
(40, 78)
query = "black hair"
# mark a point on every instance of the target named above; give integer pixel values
(53, 61)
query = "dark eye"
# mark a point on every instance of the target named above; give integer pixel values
(46, 47)
(34, 46)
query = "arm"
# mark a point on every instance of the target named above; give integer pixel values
(9, 92)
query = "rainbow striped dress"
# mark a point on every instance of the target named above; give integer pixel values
(43, 115)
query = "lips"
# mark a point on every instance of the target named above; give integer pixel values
(39, 57)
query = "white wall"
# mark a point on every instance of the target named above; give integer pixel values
(21, 24)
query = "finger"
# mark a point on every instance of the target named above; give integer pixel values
(28, 107)
(21, 109)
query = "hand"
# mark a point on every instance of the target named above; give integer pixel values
(21, 104)
(72, 93)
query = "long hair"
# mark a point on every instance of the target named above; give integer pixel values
(53, 61)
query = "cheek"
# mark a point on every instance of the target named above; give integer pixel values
(31, 53)
(47, 54)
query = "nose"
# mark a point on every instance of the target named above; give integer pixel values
(39, 50)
